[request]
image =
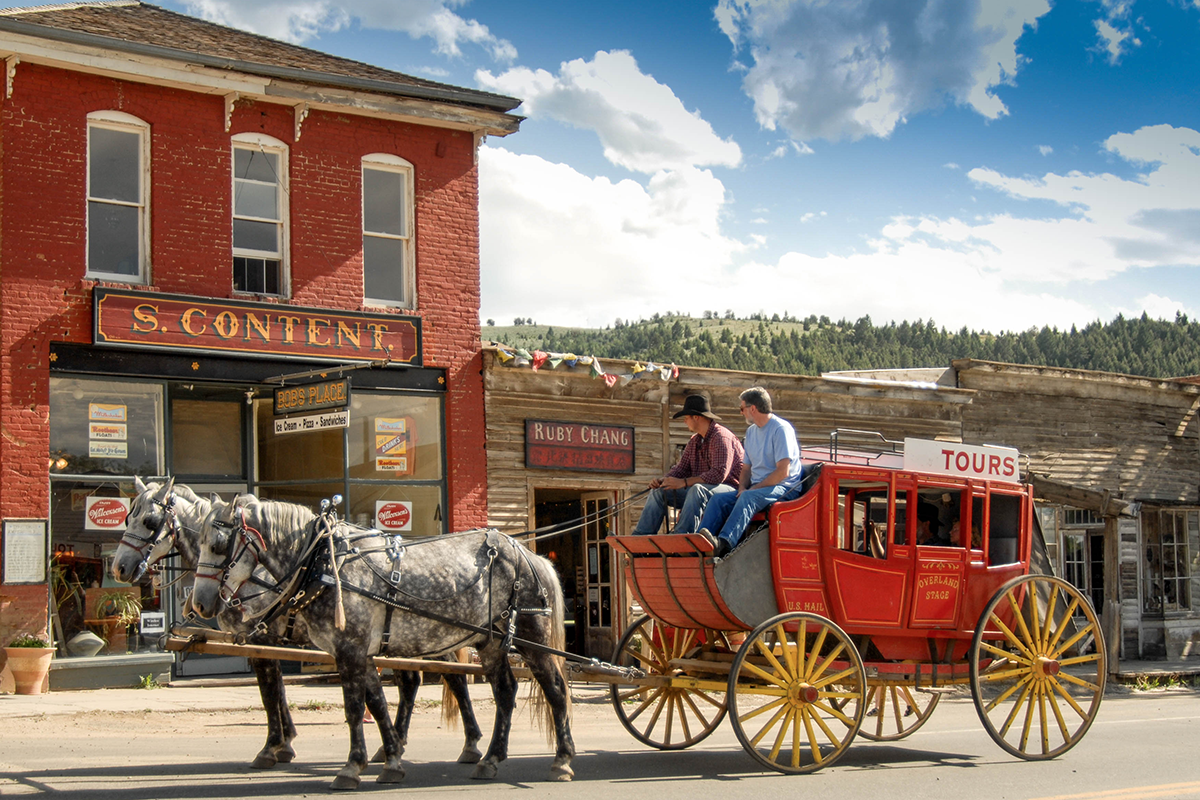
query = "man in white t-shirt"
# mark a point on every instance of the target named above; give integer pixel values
(772, 469)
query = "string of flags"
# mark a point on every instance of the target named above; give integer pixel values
(520, 357)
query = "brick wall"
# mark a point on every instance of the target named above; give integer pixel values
(43, 140)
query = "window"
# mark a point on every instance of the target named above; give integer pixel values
(1166, 584)
(259, 215)
(387, 200)
(100, 427)
(117, 197)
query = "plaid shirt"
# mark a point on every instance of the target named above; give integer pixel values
(715, 457)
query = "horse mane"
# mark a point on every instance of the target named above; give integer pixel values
(277, 520)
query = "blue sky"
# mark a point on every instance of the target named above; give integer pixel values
(996, 164)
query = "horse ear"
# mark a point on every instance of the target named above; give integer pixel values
(214, 498)
(170, 484)
(137, 484)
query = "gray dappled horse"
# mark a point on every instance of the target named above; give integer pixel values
(415, 598)
(166, 518)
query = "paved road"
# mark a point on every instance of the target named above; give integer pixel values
(196, 742)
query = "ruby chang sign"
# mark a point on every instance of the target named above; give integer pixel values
(144, 319)
(578, 446)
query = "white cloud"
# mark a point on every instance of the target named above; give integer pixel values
(855, 68)
(1045, 149)
(1114, 33)
(301, 20)
(574, 250)
(1157, 307)
(642, 125)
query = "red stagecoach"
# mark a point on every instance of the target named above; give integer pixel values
(898, 573)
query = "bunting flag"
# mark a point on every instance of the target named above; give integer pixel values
(520, 357)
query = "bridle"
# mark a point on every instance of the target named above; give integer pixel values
(246, 540)
(144, 545)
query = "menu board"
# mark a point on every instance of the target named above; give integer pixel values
(25, 551)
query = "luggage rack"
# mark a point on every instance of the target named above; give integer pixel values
(859, 448)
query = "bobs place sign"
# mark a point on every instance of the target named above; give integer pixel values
(143, 319)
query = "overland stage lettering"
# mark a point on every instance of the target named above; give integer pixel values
(578, 446)
(143, 319)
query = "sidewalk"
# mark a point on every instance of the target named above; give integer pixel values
(227, 694)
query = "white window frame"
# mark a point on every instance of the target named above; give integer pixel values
(126, 123)
(269, 144)
(384, 162)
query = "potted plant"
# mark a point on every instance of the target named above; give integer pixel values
(29, 661)
(121, 608)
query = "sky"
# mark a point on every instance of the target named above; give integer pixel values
(990, 164)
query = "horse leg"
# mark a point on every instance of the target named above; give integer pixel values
(504, 691)
(393, 771)
(355, 673)
(457, 685)
(556, 693)
(408, 683)
(280, 730)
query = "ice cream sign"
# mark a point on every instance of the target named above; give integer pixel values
(393, 436)
(105, 513)
(393, 515)
(107, 431)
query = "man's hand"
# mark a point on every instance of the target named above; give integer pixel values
(654, 484)
(673, 483)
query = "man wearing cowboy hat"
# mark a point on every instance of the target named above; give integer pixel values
(711, 464)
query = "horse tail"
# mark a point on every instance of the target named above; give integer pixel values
(450, 709)
(540, 709)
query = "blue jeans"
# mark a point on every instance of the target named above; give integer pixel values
(690, 501)
(731, 513)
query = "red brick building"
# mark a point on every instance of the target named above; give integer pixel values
(190, 217)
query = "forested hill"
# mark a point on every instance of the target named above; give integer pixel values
(1141, 346)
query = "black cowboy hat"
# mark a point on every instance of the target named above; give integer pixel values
(696, 405)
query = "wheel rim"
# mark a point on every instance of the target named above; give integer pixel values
(662, 716)
(1038, 671)
(796, 693)
(898, 710)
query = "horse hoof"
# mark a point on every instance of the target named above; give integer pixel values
(345, 782)
(484, 772)
(285, 754)
(391, 775)
(561, 773)
(264, 760)
(470, 755)
(379, 756)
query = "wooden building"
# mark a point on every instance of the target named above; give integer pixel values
(1113, 459)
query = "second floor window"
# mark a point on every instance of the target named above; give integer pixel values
(117, 203)
(387, 231)
(259, 216)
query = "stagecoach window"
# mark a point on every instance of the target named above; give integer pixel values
(1168, 536)
(1004, 519)
(863, 515)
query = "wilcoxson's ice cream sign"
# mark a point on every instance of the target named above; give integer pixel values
(981, 462)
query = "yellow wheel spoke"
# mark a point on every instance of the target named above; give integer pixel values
(828, 709)
(896, 709)
(815, 653)
(776, 679)
(1044, 637)
(1005, 675)
(646, 704)
(1041, 696)
(1065, 646)
(626, 696)
(1012, 637)
(783, 729)
(1058, 717)
(813, 744)
(778, 715)
(817, 672)
(1012, 714)
(1069, 678)
(762, 709)
(783, 672)
(1070, 700)
(1035, 638)
(657, 713)
(688, 698)
(1016, 609)
(833, 739)
(1066, 624)
(795, 659)
(683, 720)
(1089, 658)
(821, 684)
(1032, 695)
(1004, 654)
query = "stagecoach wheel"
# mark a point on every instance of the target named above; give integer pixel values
(1038, 668)
(660, 715)
(894, 711)
(796, 692)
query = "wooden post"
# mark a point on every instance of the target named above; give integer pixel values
(1111, 613)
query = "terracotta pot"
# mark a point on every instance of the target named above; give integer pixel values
(29, 667)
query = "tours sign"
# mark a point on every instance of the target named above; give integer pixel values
(578, 446)
(126, 318)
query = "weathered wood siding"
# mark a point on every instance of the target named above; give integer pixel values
(1134, 437)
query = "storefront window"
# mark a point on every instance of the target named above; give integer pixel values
(206, 431)
(304, 456)
(396, 437)
(410, 510)
(105, 427)
(1166, 584)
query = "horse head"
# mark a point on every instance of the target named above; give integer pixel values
(147, 526)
